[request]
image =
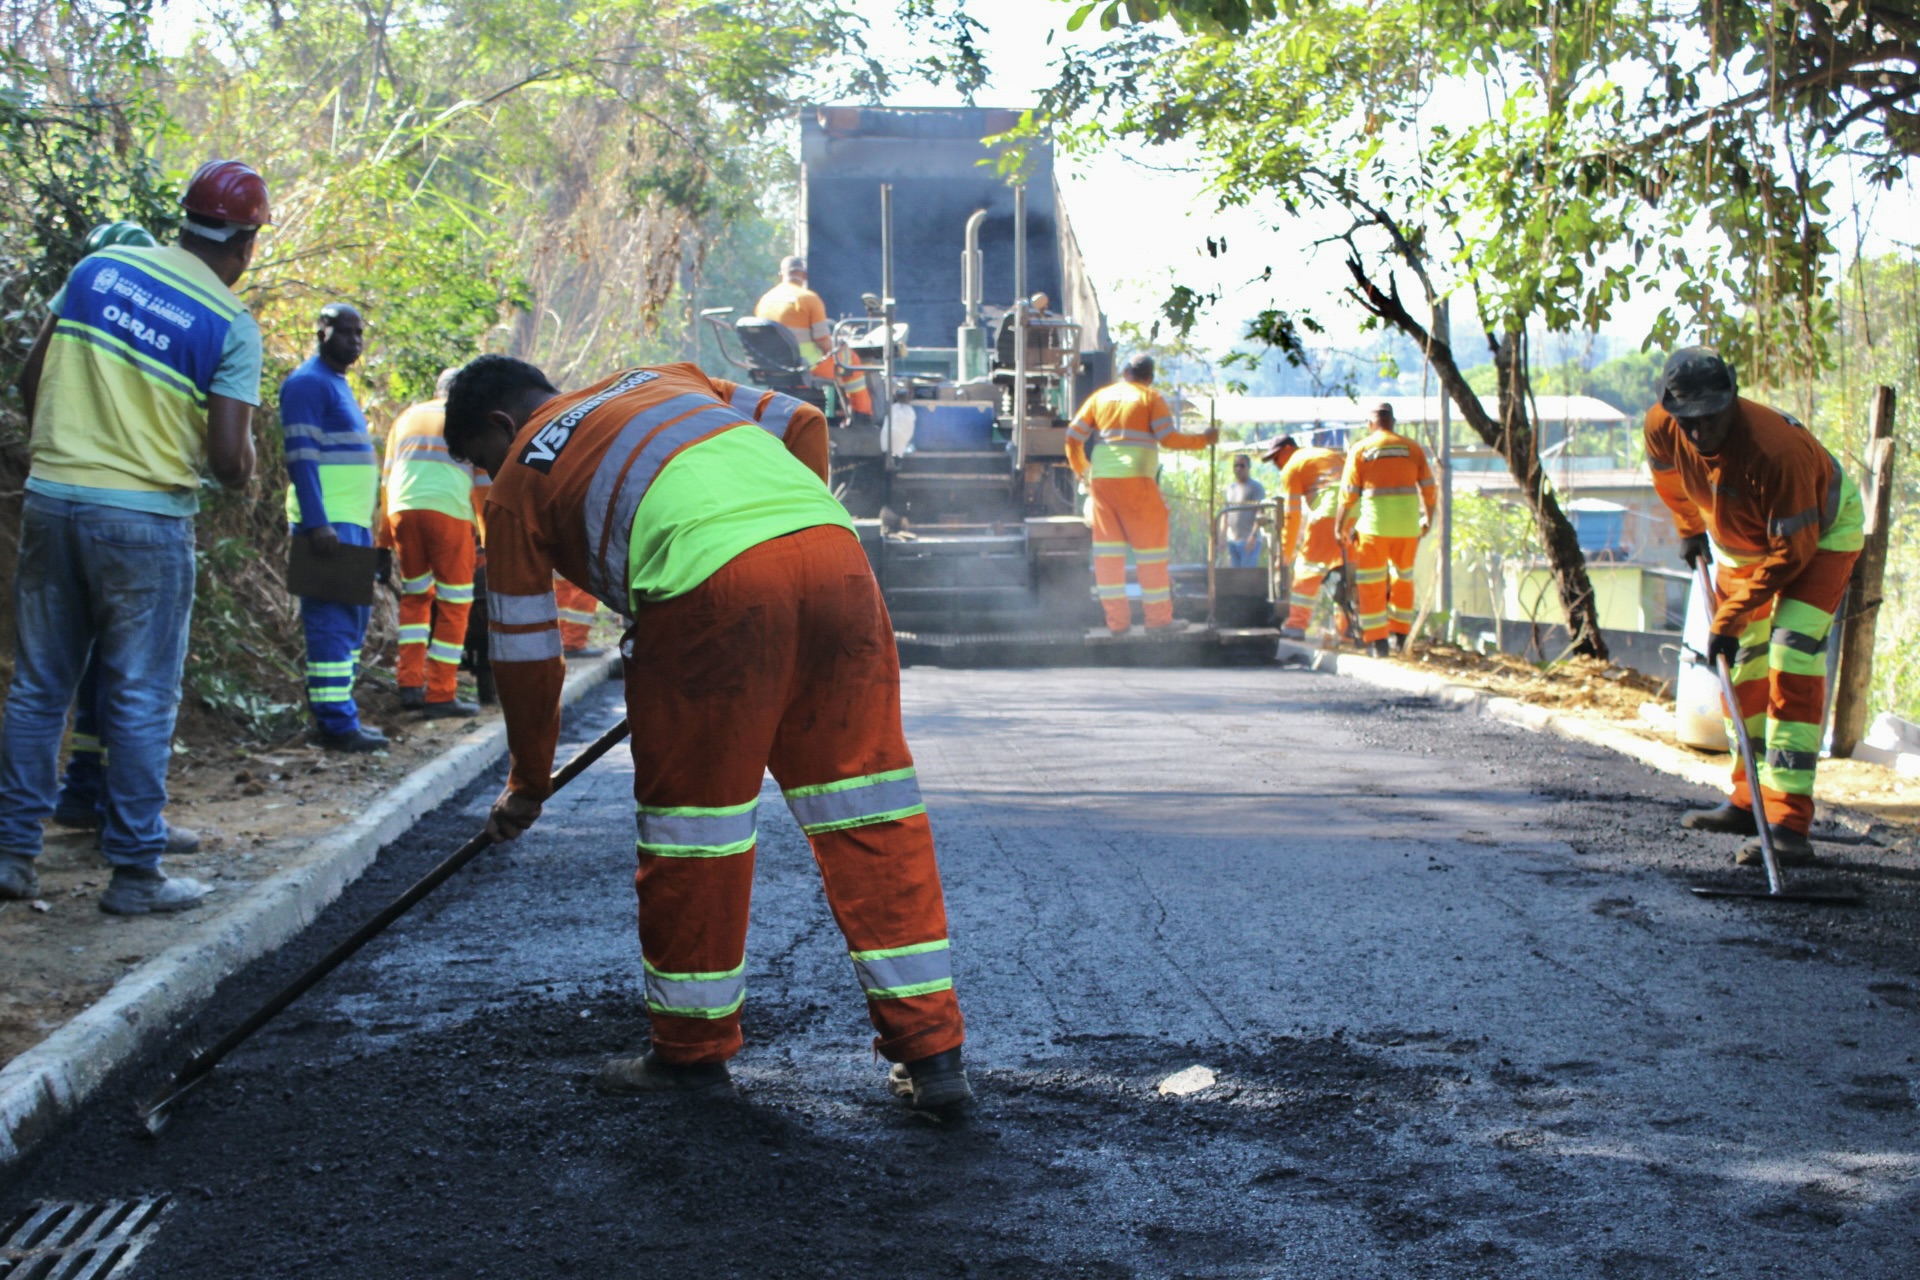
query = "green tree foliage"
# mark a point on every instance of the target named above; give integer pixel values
(543, 179)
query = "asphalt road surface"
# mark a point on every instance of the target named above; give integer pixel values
(1463, 1017)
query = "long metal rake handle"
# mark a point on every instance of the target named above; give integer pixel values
(1776, 883)
(202, 1064)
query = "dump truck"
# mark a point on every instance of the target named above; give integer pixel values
(965, 299)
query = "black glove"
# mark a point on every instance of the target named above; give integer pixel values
(1719, 646)
(1695, 548)
(383, 565)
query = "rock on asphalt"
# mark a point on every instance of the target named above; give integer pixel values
(1462, 1015)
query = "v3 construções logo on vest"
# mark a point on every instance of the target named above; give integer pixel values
(544, 449)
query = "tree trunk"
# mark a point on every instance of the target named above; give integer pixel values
(1513, 438)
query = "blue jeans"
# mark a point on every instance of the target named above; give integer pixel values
(118, 584)
(84, 785)
(1244, 555)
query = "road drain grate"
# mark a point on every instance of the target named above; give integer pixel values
(70, 1240)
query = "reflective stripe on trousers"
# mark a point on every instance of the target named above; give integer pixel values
(856, 802)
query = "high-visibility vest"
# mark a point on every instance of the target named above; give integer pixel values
(803, 314)
(421, 474)
(324, 427)
(123, 394)
(1388, 477)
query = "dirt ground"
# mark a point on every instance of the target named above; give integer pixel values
(257, 807)
(1616, 696)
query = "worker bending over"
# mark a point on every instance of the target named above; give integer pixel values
(1387, 496)
(759, 641)
(1114, 445)
(800, 310)
(147, 366)
(1751, 487)
(1309, 489)
(428, 521)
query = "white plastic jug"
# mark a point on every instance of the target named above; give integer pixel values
(1699, 719)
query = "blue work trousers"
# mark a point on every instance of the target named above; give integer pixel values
(117, 584)
(335, 633)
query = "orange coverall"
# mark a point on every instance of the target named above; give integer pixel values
(781, 658)
(1786, 525)
(1387, 497)
(1309, 484)
(424, 489)
(805, 317)
(577, 609)
(1114, 444)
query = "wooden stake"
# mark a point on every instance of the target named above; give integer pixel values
(1213, 522)
(1854, 683)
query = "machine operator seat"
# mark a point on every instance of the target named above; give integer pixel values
(770, 346)
(1048, 346)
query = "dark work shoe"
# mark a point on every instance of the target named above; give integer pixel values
(413, 697)
(134, 892)
(590, 652)
(1792, 848)
(79, 817)
(629, 1077)
(1396, 644)
(452, 707)
(18, 878)
(1728, 819)
(938, 1083)
(1378, 649)
(360, 741)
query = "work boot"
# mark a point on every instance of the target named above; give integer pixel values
(451, 707)
(413, 697)
(631, 1077)
(79, 817)
(485, 689)
(1791, 847)
(135, 891)
(938, 1083)
(1378, 649)
(18, 878)
(1396, 644)
(1294, 634)
(1178, 627)
(361, 741)
(1728, 819)
(590, 651)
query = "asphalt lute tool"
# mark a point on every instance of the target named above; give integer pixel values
(154, 1112)
(1777, 889)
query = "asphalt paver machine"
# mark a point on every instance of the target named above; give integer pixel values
(965, 305)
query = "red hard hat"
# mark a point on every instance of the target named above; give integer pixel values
(227, 191)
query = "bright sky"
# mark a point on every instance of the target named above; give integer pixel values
(1141, 228)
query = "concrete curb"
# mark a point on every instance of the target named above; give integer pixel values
(49, 1081)
(1655, 755)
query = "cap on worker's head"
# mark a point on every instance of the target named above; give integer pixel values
(1696, 383)
(1285, 444)
(793, 264)
(1138, 369)
(445, 381)
(1381, 409)
(108, 234)
(225, 198)
(1039, 302)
